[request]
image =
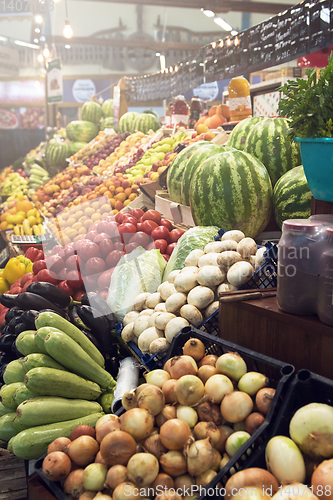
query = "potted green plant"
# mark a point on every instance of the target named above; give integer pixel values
(308, 103)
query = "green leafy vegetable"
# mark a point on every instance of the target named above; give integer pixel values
(308, 103)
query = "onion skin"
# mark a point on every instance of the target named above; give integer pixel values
(99, 459)
(117, 474)
(168, 390)
(56, 466)
(180, 366)
(232, 365)
(205, 372)
(129, 400)
(82, 430)
(152, 399)
(59, 444)
(264, 398)
(167, 413)
(253, 422)
(210, 359)
(200, 457)
(174, 463)
(125, 491)
(205, 430)
(83, 450)
(174, 434)
(236, 406)
(117, 448)
(189, 390)
(194, 348)
(209, 412)
(153, 444)
(323, 477)
(73, 485)
(138, 422)
(163, 481)
(253, 476)
(225, 432)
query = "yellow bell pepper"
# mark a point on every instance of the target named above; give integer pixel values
(14, 270)
(27, 262)
(4, 286)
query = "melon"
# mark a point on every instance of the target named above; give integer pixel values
(74, 147)
(292, 196)
(126, 122)
(151, 112)
(268, 141)
(106, 123)
(57, 152)
(107, 108)
(81, 131)
(232, 190)
(91, 112)
(145, 122)
(240, 132)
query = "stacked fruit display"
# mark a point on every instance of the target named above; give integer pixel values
(14, 185)
(91, 148)
(22, 217)
(142, 122)
(214, 119)
(38, 176)
(105, 151)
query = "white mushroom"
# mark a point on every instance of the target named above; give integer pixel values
(234, 234)
(172, 275)
(175, 302)
(160, 307)
(163, 319)
(159, 346)
(185, 281)
(147, 312)
(130, 317)
(153, 300)
(209, 259)
(200, 297)
(211, 309)
(140, 301)
(147, 337)
(127, 333)
(228, 258)
(193, 257)
(247, 247)
(214, 246)
(166, 289)
(192, 314)
(240, 273)
(210, 276)
(174, 326)
(140, 324)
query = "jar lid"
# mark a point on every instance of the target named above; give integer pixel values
(302, 224)
(329, 230)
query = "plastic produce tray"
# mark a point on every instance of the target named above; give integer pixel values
(53, 486)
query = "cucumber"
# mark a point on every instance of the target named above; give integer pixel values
(106, 400)
(32, 443)
(36, 360)
(14, 372)
(4, 410)
(56, 321)
(40, 335)
(48, 410)
(67, 352)
(18, 426)
(52, 382)
(7, 430)
(7, 393)
(22, 394)
(25, 343)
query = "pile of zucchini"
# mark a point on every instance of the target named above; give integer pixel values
(59, 383)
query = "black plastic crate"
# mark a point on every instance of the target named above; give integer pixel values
(53, 486)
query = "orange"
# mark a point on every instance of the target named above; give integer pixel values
(114, 212)
(127, 202)
(132, 196)
(107, 183)
(24, 206)
(226, 111)
(103, 189)
(219, 110)
(128, 191)
(120, 197)
(216, 121)
(3, 225)
(3, 217)
(212, 111)
(135, 187)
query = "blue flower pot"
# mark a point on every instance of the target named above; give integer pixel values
(317, 159)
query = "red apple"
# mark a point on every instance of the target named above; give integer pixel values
(105, 247)
(87, 250)
(94, 265)
(105, 279)
(113, 258)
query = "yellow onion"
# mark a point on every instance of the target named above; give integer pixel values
(138, 422)
(205, 478)
(180, 366)
(167, 413)
(59, 444)
(252, 382)
(157, 377)
(106, 426)
(117, 474)
(232, 365)
(194, 348)
(254, 476)
(205, 372)
(210, 359)
(94, 476)
(83, 450)
(225, 432)
(173, 463)
(126, 491)
(235, 441)
(200, 457)
(217, 387)
(251, 493)
(209, 412)
(168, 390)
(99, 459)
(264, 398)
(217, 460)
(188, 414)
(298, 491)
(236, 406)
(174, 433)
(142, 468)
(168, 495)
(189, 390)
(184, 481)
(89, 495)
(284, 460)
(162, 482)
(56, 466)
(253, 422)
(73, 485)
(322, 480)
(129, 400)
(205, 430)
(152, 399)
(153, 444)
(117, 448)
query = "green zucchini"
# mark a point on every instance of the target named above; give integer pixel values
(4, 410)
(40, 335)
(52, 382)
(32, 443)
(36, 360)
(106, 400)
(56, 321)
(18, 426)
(67, 352)
(7, 430)
(48, 410)
(25, 343)
(22, 394)
(7, 393)
(14, 372)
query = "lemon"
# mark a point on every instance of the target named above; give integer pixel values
(32, 220)
(31, 212)
(18, 219)
(10, 219)
(21, 213)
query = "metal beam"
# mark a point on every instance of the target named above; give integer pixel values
(217, 6)
(123, 42)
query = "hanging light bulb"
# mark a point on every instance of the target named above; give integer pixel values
(40, 58)
(67, 32)
(46, 52)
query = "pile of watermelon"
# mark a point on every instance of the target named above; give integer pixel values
(139, 122)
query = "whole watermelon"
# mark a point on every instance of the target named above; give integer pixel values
(292, 196)
(126, 122)
(145, 122)
(91, 112)
(151, 112)
(268, 142)
(81, 131)
(57, 152)
(239, 133)
(232, 190)
(107, 108)
(74, 147)
(106, 123)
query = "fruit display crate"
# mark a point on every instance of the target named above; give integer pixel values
(13, 477)
(305, 388)
(53, 486)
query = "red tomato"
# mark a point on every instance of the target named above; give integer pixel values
(94, 265)
(91, 235)
(38, 266)
(175, 234)
(152, 215)
(113, 258)
(68, 250)
(64, 286)
(151, 246)
(136, 212)
(87, 249)
(105, 247)
(169, 248)
(118, 246)
(161, 245)
(130, 220)
(47, 276)
(148, 226)
(140, 219)
(101, 237)
(55, 263)
(166, 256)
(74, 279)
(56, 250)
(119, 217)
(141, 238)
(126, 227)
(108, 227)
(73, 263)
(105, 279)
(139, 226)
(26, 284)
(26, 277)
(90, 282)
(167, 224)
(131, 246)
(160, 233)
(78, 294)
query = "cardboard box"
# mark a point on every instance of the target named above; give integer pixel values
(179, 214)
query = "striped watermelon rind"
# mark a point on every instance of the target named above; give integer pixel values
(145, 122)
(268, 141)
(106, 123)
(126, 122)
(175, 170)
(74, 147)
(57, 152)
(232, 190)
(107, 108)
(240, 132)
(91, 112)
(292, 196)
(81, 131)
(190, 166)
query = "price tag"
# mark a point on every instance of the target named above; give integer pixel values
(4, 255)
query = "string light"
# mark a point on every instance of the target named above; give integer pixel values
(67, 31)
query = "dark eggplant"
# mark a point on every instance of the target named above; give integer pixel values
(75, 318)
(15, 350)
(28, 317)
(99, 326)
(13, 322)
(94, 300)
(8, 300)
(3, 326)
(21, 327)
(61, 313)
(5, 330)
(112, 365)
(7, 357)
(51, 293)
(13, 311)
(92, 339)
(29, 300)
(6, 342)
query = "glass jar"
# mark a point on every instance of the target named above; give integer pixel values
(299, 256)
(325, 281)
(180, 112)
(239, 98)
(195, 111)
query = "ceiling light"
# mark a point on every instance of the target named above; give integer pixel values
(162, 62)
(223, 24)
(39, 19)
(40, 58)
(68, 31)
(234, 32)
(36, 40)
(37, 30)
(42, 38)
(208, 13)
(37, 84)
(3, 39)
(67, 46)
(46, 52)
(157, 54)
(25, 44)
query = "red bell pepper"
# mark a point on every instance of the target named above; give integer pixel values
(34, 254)
(38, 266)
